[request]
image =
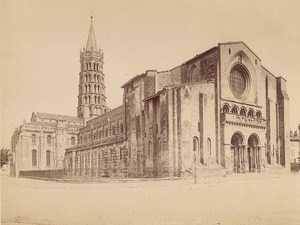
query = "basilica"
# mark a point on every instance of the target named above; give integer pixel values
(218, 111)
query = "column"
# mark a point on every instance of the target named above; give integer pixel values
(259, 161)
(255, 159)
(239, 159)
(235, 159)
(246, 167)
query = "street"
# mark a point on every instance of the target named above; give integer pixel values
(236, 199)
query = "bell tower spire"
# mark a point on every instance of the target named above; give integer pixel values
(91, 44)
(91, 98)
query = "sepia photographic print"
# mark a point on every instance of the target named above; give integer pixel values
(150, 112)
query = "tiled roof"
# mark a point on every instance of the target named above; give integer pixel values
(58, 117)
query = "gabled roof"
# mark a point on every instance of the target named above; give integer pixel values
(56, 117)
(238, 42)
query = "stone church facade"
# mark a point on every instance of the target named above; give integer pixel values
(220, 110)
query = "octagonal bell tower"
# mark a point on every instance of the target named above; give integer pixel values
(91, 97)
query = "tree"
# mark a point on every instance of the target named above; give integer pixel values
(4, 156)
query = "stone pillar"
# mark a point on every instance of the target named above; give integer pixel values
(259, 159)
(235, 169)
(239, 159)
(246, 167)
(255, 159)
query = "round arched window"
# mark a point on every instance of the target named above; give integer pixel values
(239, 81)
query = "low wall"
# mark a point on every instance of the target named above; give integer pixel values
(43, 173)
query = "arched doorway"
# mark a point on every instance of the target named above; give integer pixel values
(238, 153)
(254, 154)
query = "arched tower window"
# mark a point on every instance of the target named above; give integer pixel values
(33, 139)
(72, 140)
(89, 99)
(95, 98)
(48, 159)
(49, 139)
(98, 99)
(34, 157)
(90, 65)
(95, 88)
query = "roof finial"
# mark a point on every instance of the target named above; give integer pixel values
(91, 19)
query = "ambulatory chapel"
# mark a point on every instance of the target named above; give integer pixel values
(218, 111)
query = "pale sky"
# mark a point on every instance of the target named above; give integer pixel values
(41, 39)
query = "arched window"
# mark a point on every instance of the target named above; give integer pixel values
(94, 77)
(89, 88)
(95, 98)
(33, 139)
(34, 157)
(49, 139)
(72, 140)
(234, 110)
(209, 146)
(106, 132)
(195, 145)
(242, 112)
(113, 130)
(95, 88)
(90, 65)
(94, 66)
(251, 113)
(89, 99)
(98, 99)
(225, 109)
(48, 159)
(258, 114)
(194, 74)
(121, 128)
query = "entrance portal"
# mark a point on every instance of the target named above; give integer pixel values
(254, 154)
(238, 153)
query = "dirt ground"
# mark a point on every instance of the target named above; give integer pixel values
(236, 199)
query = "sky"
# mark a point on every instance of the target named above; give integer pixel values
(41, 40)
